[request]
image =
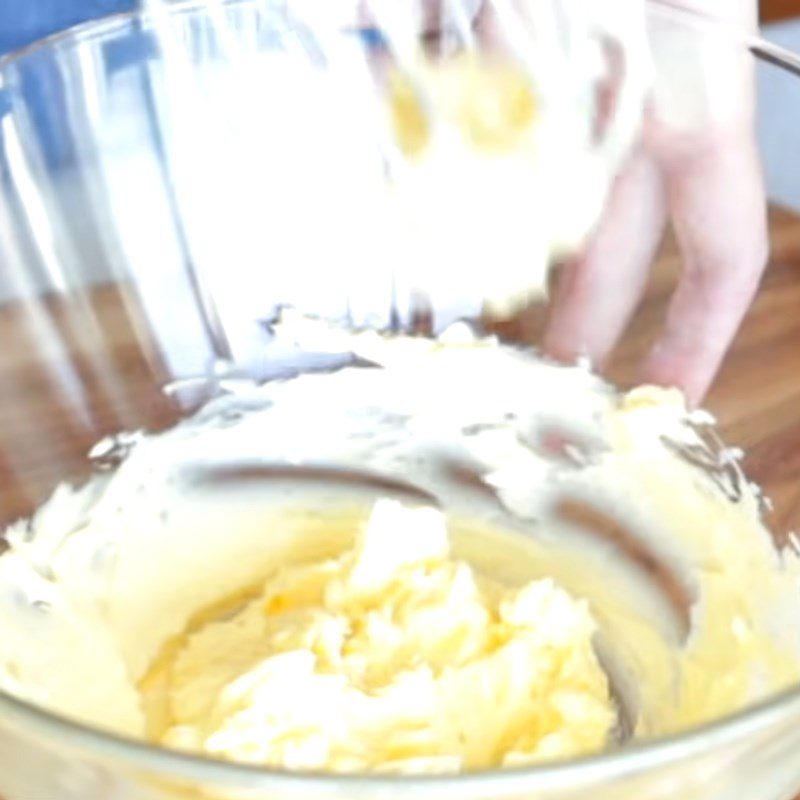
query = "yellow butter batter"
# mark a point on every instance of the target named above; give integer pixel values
(231, 595)
(395, 657)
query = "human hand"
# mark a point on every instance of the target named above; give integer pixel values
(697, 166)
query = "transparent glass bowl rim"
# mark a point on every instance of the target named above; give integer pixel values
(633, 759)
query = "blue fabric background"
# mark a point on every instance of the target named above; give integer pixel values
(24, 21)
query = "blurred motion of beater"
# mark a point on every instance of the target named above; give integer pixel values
(510, 120)
(502, 123)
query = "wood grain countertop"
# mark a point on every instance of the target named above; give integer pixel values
(772, 10)
(100, 372)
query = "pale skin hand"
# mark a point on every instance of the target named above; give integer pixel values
(706, 179)
(701, 172)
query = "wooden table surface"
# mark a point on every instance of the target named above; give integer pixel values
(773, 10)
(56, 400)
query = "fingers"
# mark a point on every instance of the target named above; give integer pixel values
(599, 292)
(699, 129)
(716, 194)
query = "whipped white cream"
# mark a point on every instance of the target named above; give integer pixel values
(604, 493)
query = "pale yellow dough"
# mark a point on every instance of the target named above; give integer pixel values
(177, 581)
(395, 657)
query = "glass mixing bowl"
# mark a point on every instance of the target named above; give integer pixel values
(143, 253)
